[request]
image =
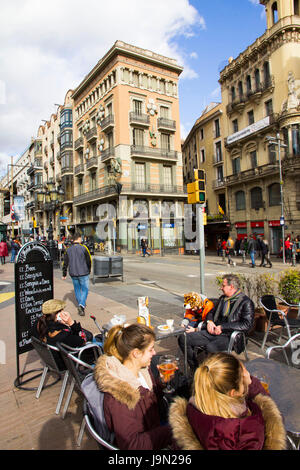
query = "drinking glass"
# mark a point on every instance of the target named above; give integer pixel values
(167, 366)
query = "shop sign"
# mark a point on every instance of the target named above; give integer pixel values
(274, 223)
(257, 224)
(241, 225)
(168, 225)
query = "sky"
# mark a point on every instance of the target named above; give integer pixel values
(47, 48)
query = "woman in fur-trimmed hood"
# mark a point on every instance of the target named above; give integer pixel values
(229, 410)
(131, 396)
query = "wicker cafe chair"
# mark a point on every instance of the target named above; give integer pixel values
(78, 369)
(46, 354)
(277, 317)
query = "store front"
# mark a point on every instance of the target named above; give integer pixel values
(257, 228)
(276, 235)
(241, 230)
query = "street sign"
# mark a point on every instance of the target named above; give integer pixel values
(281, 220)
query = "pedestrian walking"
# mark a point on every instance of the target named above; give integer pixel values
(288, 249)
(3, 251)
(230, 251)
(265, 253)
(144, 246)
(15, 247)
(78, 259)
(252, 248)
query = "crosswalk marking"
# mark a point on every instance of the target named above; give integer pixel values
(6, 296)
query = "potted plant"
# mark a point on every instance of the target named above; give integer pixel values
(289, 289)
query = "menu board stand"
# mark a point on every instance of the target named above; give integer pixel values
(33, 286)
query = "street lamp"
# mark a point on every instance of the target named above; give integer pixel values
(277, 141)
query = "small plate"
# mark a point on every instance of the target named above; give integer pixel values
(164, 328)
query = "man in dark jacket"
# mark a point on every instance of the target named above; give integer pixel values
(78, 259)
(234, 311)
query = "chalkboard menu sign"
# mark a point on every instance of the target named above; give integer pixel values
(33, 285)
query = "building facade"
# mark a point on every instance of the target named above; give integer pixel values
(204, 149)
(128, 179)
(261, 95)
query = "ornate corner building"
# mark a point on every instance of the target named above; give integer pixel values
(261, 96)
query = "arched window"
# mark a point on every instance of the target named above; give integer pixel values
(274, 194)
(274, 13)
(256, 198)
(240, 201)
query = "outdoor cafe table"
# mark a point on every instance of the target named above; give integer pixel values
(175, 331)
(284, 387)
(159, 336)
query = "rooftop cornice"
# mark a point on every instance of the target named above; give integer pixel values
(121, 47)
(281, 27)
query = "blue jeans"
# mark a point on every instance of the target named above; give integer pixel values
(252, 256)
(81, 288)
(13, 256)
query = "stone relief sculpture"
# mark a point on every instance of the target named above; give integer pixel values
(114, 170)
(293, 100)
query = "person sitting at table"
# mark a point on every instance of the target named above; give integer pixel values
(56, 325)
(197, 307)
(229, 410)
(234, 311)
(131, 395)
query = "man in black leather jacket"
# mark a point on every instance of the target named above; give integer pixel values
(233, 312)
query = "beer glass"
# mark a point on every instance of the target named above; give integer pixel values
(167, 366)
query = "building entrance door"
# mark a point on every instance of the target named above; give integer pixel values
(275, 239)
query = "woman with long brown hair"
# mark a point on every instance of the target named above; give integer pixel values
(229, 410)
(131, 396)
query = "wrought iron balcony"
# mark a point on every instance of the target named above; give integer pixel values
(154, 188)
(95, 194)
(67, 170)
(107, 154)
(150, 152)
(107, 123)
(79, 169)
(138, 118)
(79, 143)
(168, 124)
(91, 134)
(92, 163)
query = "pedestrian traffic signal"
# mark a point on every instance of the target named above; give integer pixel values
(196, 190)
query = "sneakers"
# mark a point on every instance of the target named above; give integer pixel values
(81, 311)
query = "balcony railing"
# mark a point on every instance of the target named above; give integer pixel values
(67, 170)
(79, 143)
(154, 188)
(108, 122)
(31, 170)
(95, 194)
(79, 169)
(107, 153)
(163, 123)
(252, 173)
(139, 118)
(91, 134)
(240, 100)
(153, 152)
(92, 163)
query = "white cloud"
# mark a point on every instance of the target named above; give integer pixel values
(194, 55)
(48, 48)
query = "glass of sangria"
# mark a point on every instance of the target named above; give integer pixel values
(167, 367)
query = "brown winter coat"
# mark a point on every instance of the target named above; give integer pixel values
(131, 411)
(242, 435)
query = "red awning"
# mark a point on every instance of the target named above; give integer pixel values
(258, 223)
(274, 223)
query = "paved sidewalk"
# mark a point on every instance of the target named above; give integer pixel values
(27, 423)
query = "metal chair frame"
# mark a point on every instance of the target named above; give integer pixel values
(88, 422)
(44, 351)
(283, 347)
(233, 337)
(279, 321)
(72, 359)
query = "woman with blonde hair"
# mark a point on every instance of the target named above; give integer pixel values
(131, 396)
(229, 410)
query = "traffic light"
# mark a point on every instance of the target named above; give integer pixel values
(196, 190)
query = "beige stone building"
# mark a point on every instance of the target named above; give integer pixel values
(261, 95)
(204, 149)
(127, 140)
